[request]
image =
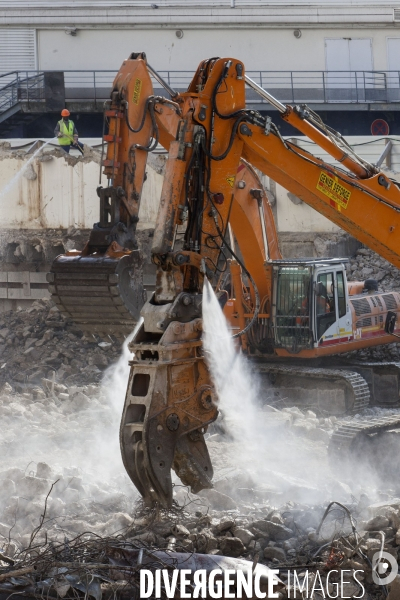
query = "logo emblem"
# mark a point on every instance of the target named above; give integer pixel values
(384, 568)
(136, 91)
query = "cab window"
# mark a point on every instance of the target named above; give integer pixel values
(340, 294)
(325, 303)
(326, 294)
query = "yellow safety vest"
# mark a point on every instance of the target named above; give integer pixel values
(66, 141)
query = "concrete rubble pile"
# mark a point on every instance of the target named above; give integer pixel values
(63, 481)
(64, 440)
(66, 501)
(294, 539)
(38, 343)
(366, 264)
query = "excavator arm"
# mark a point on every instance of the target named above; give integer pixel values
(212, 201)
(170, 398)
(101, 287)
(368, 209)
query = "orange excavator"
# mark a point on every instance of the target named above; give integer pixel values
(289, 316)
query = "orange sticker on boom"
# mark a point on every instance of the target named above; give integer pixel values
(334, 190)
(231, 180)
(136, 91)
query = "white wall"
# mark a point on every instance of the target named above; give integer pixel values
(273, 49)
(296, 218)
(62, 195)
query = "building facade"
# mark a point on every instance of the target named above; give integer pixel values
(341, 58)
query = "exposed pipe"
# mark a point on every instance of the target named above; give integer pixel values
(302, 124)
(384, 154)
(268, 97)
(162, 81)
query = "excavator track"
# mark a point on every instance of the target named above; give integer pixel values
(383, 379)
(345, 436)
(356, 388)
(101, 294)
(356, 444)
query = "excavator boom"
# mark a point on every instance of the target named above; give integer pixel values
(368, 209)
(101, 288)
(215, 222)
(213, 198)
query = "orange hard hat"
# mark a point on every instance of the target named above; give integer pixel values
(65, 112)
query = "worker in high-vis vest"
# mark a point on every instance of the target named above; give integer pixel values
(66, 132)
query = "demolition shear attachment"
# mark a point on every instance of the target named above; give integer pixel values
(169, 404)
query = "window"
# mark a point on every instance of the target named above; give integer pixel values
(326, 295)
(325, 306)
(341, 294)
(293, 308)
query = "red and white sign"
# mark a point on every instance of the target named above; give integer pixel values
(380, 127)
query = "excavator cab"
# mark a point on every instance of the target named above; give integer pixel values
(310, 306)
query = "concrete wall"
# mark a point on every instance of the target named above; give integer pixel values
(48, 205)
(58, 191)
(266, 49)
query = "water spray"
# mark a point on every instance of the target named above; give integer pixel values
(18, 175)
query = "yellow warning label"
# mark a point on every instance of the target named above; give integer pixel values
(136, 91)
(334, 190)
(231, 180)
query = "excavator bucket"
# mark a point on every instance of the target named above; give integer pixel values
(102, 294)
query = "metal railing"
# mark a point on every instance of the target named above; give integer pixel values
(16, 86)
(166, 3)
(321, 87)
(329, 87)
(88, 85)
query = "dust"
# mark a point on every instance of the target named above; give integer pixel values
(114, 385)
(261, 441)
(67, 444)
